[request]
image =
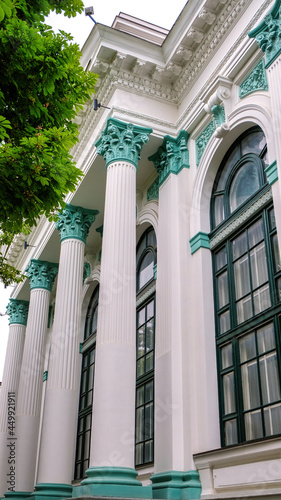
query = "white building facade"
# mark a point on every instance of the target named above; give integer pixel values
(144, 354)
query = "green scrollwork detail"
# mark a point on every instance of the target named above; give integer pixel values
(75, 222)
(41, 274)
(268, 34)
(17, 311)
(203, 139)
(256, 80)
(122, 142)
(153, 191)
(172, 156)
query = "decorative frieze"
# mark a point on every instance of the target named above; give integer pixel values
(153, 191)
(122, 142)
(17, 311)
(75, 222)
(203, 139)
(256, 80)
(172, 156)
(268, 34)
(41, 274)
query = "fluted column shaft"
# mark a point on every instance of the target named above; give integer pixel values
(57, 450)
(10, 382)
(30, 389)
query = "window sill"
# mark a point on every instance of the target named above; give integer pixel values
(248, 470)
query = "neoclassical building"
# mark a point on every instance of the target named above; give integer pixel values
(144, 353)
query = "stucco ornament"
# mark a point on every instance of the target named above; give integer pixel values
(41, 274)
(17, 311)
(256, 80)
(172, 156)
(153, 191)
(268, 34)
(203, 140)
(75, 222)
(122, 142)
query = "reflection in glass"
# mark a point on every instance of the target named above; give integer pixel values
(146, 269)
(244, 185)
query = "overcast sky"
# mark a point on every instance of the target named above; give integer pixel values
(157, 12)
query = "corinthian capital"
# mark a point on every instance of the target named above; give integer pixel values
(75, 222)
(17, 311)
(41, 274)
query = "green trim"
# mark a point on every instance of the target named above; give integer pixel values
(272, 173)
(175, 485)
(256, 80)
(155, 271)
(86, 271)
(41, 274)
(100, 230)
(75, 222)
(203, 139)
(17, 495)
(17, 311)
(45, 376)
(172, 156)
(80, 347)
(267, 34)
(51, 491)
(112, 481)
(200, 240)
(122, 141)
(153, 191)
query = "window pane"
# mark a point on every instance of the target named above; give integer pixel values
(141, 317)
(149, 362)
(95, 320)
(247, 347)
(253, 143)
(272, 420)
(219, 209)
(140, 367)
(148, 421)
(262, 299)
(146, 269)
(270, 387)
(223, 289)
(149, 391)
(229, 164)
(250, 385)
(139, 453)
(150, 310)
(140, 342)
(148, 454)
(140, 395)
(228, 393)
(151, 239)
(255, 233)
(244, 309)
(276, 253)
(239, 245)
(226, 356)
(139, 424)
(253, 425)
(230, 432)
(266, 338)
(258, 265)
(244, 185)
(242, 277)
(272, 221)
(221, 258)
(224, 322)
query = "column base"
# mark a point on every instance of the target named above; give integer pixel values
(17, 495)
(52, 491)
(112, 482)
(175, 485)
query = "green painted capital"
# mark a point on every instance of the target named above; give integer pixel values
(17, 311)
(122, 142)
(75, 222)
(41, 274)
(172, 156)
(268, 34)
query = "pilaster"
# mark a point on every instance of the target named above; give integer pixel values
(61, 402)
(17, 311)
(41, 275)
(112, 454)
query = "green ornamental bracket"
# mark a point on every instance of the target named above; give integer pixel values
(17, 311)
(41, 274)
(268, 34)
(172, 156)
(122, 141)
(75, 222)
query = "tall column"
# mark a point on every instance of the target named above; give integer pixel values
(57, 452)
(111, 469)
(17, 311)
(268, 37)
(41, 275)
(174, 476)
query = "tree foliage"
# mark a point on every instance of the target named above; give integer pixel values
(42, 88)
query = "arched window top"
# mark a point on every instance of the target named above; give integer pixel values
(240, 175)
(146, 258)
(92, 315)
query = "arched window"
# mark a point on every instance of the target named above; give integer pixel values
(88, 348)
(144, 434)
(247, 284)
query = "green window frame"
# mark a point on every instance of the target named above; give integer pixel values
(145, 347)
(88, 351)
(247, 293)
